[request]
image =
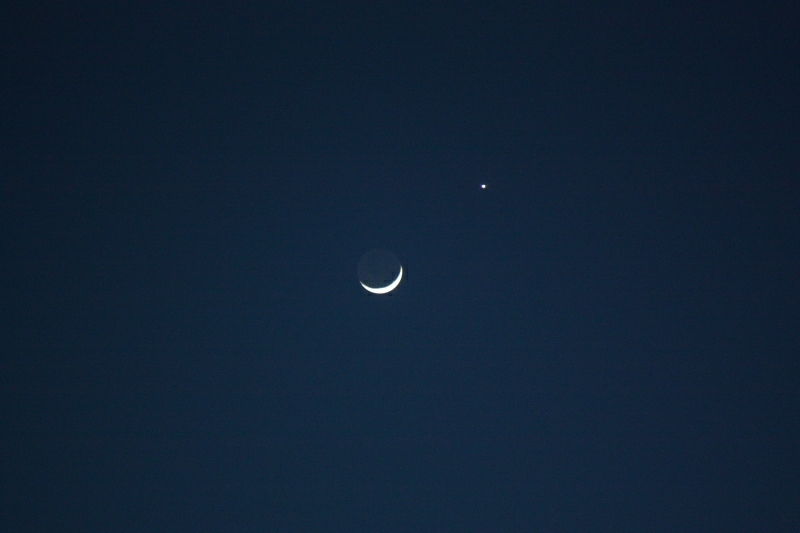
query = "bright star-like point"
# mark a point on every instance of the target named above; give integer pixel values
(483, 185)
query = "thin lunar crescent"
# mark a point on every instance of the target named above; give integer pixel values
(389, 288)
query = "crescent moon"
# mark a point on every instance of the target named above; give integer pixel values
(389, 288)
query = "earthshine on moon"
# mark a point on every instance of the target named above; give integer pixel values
(380, 271)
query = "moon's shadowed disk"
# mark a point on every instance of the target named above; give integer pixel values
(379, 271)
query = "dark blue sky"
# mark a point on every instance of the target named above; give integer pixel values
(605, 339)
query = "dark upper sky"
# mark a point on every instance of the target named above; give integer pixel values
(606, 338)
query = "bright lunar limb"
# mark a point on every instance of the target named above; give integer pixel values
(389, 288)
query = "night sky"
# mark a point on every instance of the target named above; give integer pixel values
(605, 338)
